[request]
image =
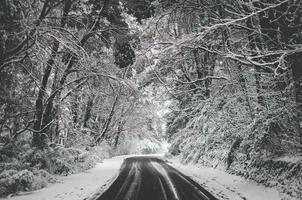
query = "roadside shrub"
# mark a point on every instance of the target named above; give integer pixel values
(13, 165)
(13, 181)
(88, 162)
(102, 151)
(273, 132)
(7, 152)
(61, 161)
(39, 183)
(33, 169)
(79, 137)
(75, 153)
(36, 158)
(45, 175)
(61, 167)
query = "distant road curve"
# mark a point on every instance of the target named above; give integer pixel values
(150, 178)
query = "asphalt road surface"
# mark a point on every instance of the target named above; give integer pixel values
(150, 178)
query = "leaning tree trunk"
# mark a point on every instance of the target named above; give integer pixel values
(105, 127)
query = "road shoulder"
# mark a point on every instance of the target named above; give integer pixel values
(225, 186)
(78, 186)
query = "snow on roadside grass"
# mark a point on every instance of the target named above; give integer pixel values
(226, 186)
(78, 186)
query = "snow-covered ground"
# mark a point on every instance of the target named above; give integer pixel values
(226, 186)
(78, 186)
(95, 181)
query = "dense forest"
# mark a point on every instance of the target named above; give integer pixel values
(81, 80)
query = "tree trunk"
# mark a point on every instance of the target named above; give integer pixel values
(88, 111)
(74, 109)
(73, 59)
(203, 70)
(108, 121)
(257, 75)
(255, 43)
(39, 108)
(119, 131)
(231, 154)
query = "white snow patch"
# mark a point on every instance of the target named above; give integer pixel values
(165, 146)
(227, 186)
(291, 159)
(78, 186)
(146, 144)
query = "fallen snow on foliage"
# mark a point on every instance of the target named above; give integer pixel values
(147, 144)
(226, 186)
(78, 186)
(292, 159)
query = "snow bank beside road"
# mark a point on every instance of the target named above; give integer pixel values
(78, 186)
(226, 186)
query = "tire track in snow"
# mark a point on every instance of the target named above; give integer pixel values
(166, 177)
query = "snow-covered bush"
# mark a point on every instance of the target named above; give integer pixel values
(79, 137)
(45, 175)
(147, 146)
(273, 132)
(88, 162)
(124, 148)
(220, 133)
(61, 166)
(13, 165)
(138, 146)
(65, 161)
(74, 152)
(284, 174)
(41, 179)
(39, 183)
(20, 168)
(12, 181)
(102, 151)
(57, 160)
